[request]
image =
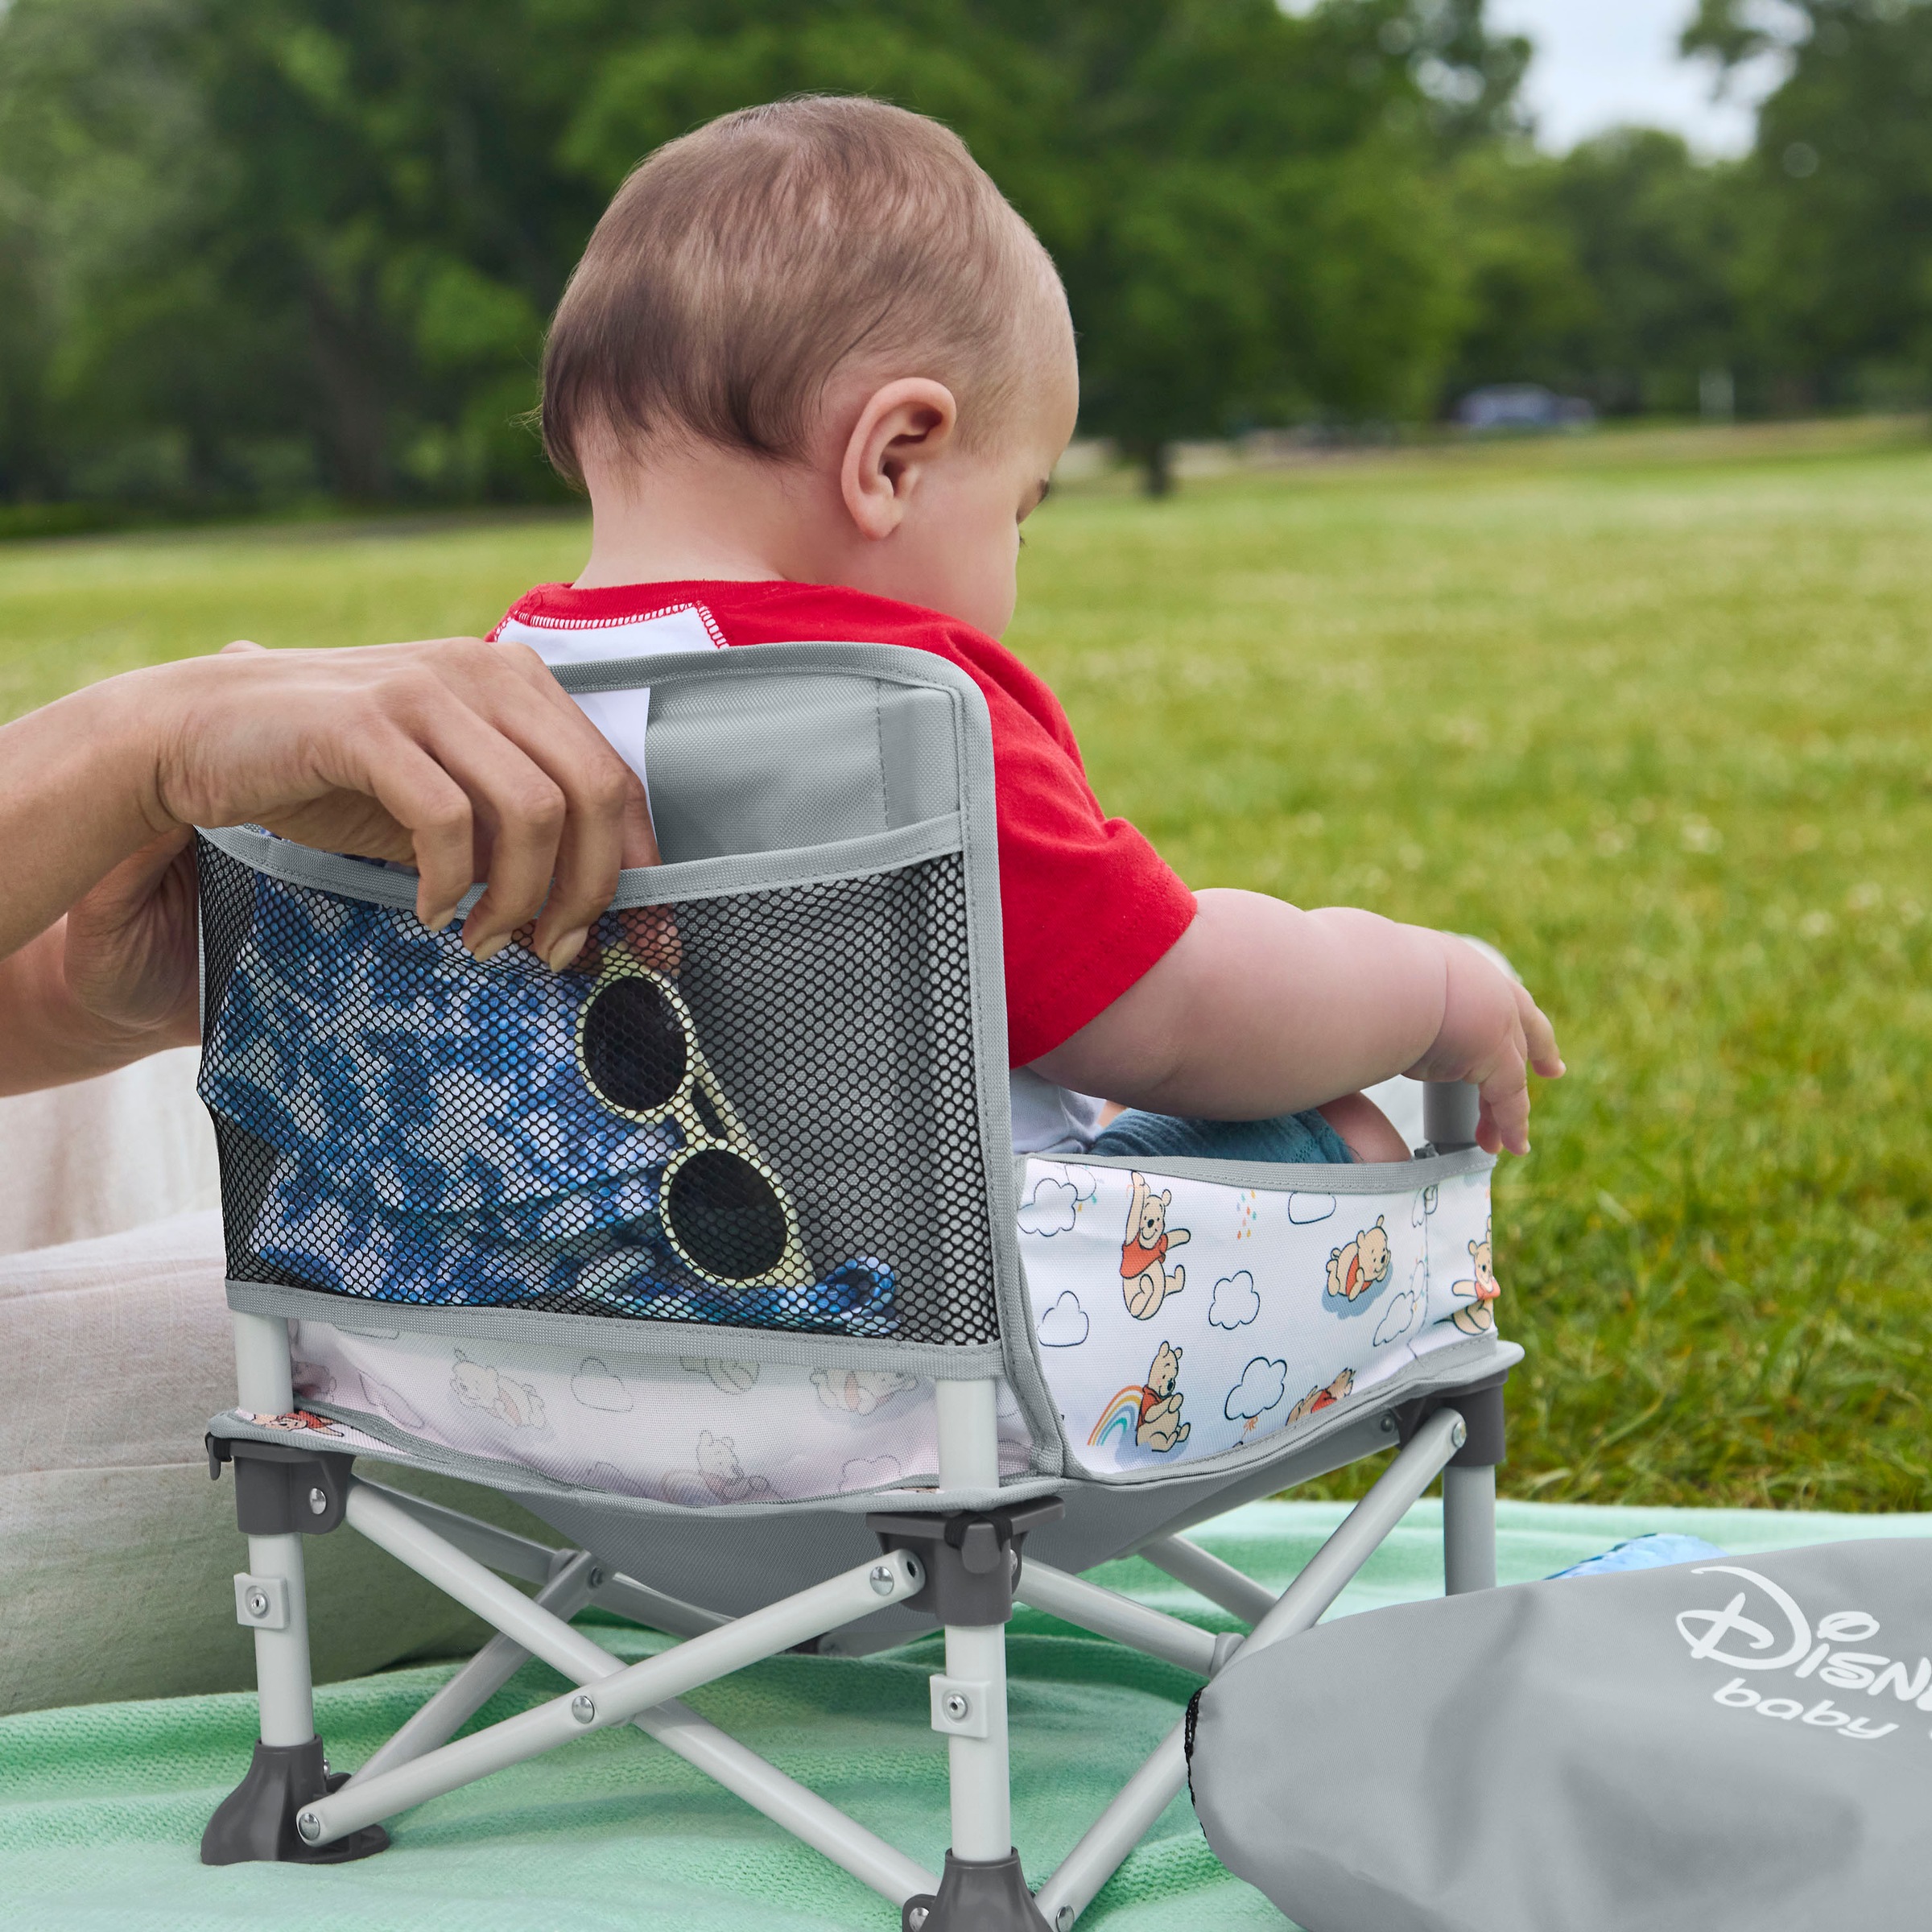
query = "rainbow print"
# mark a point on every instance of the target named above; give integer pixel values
(1123, 1413)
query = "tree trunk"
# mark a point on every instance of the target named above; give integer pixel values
(353, 426)
(1157, 467)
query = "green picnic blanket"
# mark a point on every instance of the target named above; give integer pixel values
(101, 1805)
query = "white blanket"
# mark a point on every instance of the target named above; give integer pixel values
(116, 1551)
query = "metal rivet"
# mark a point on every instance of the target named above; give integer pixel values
(956, 1707)
(596, 1578)
(258, 1601)
(309, 1826)
(584, 1709)
(915, 1919)
(1063, 1919)
(1389, 1424)
(1458, 1436)
(883, 1579)
(318, 1502)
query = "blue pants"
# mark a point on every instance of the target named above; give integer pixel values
(1300, 1137)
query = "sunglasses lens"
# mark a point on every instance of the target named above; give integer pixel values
(634, 1046)
(725, 1216)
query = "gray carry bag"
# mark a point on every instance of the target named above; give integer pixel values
(1727, 1744)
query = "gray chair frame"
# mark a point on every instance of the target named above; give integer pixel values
(1447, 1420)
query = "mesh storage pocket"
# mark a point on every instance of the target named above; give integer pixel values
(758, 1109)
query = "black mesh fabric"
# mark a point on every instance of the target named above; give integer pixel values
(759, 1110)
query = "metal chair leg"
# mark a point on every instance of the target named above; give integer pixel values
(257, 1820)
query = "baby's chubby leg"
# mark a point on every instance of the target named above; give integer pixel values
(1365, 1130)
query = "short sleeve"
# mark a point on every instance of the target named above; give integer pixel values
(1088, 906)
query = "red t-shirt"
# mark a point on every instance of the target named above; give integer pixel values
(1086, 904)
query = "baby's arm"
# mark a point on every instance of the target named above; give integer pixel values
(1261, 1008)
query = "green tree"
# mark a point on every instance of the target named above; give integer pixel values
(1835, 272)
(1607, 272)
(1241, 201)
(253, 240)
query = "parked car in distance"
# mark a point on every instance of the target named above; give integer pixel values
(1522, 405)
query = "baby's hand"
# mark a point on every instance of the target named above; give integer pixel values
(1491, 1034)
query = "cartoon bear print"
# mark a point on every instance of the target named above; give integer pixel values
(1477, 1317)
(1323, 1397)
(477, 1386)
(1160, 1427)
(1364, 1264)
(1145, 1281)
(293, 1421)
(720, 1477)
(860, 1391)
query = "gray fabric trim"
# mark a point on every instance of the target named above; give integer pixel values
(803, 865)
(1288, 1177)
(326, 871)
(515, 1479)
(1245, 1473)
(354, 1315)
(642, 886)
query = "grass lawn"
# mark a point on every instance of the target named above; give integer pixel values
(1652, 712)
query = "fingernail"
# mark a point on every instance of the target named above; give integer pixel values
(436, 921)
(568, 948)
(488, 949)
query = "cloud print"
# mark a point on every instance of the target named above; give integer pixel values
(1258, 1390)
(385, 1400)
(1302, 1208)
(1065, 1324)
(1235, 1303)
(728, 1377)
(1399, 1316)
(1052, 1208)
(868, 1473)
(596, 1387)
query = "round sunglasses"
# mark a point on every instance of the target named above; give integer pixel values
(722, 1209)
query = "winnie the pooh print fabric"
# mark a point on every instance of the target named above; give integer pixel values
(1288, 1302)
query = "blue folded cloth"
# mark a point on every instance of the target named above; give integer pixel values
(437, 1140)
(377, 1055)
(1653, 1552)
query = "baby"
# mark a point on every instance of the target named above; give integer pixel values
(815, 373)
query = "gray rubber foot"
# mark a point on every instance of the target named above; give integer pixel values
(256, 1822)
(976, 1895)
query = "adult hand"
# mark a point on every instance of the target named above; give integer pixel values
(464, 758)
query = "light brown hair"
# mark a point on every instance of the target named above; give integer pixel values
(739, 267)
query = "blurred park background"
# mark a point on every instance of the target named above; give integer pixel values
(255, 252)
(1643, 700)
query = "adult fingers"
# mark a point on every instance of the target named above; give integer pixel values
(603, 801)
(519, 810)
(433, 807)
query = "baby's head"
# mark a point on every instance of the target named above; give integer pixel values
(819, 324)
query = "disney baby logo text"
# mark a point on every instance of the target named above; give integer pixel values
(1762, 1628)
